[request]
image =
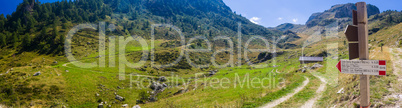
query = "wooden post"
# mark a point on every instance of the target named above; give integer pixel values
(363, 52)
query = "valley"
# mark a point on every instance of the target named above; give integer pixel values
(123, 50)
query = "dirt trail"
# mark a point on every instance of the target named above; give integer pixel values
(310, 103)
(396, 63)
(283, 99)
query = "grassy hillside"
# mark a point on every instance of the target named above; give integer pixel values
(32, 41)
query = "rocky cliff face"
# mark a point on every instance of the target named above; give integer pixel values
(340, 12)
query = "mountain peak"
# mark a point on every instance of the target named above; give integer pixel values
(337, 12)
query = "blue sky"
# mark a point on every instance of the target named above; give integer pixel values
(268, 13)
(271, 13)
(9, 6)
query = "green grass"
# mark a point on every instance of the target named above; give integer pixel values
(303, 96)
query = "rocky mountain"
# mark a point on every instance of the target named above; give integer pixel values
(341, 12)
(289, 26)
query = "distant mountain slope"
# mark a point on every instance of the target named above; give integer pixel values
(342, 12)
(390, 36)
(290, 26)
(33, 20)
(383, 20)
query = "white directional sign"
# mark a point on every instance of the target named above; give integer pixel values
(365, 67)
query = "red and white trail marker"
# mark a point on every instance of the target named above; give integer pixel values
(365, 67)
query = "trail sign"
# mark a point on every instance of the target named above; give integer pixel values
(363, 67)
(357, 35)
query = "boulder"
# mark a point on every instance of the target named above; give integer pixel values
(125, 105)
(156, 86)
(315, 66)
(37, 74)
(100, 105)
(153, 99)
(162, 79)
(136, 106)
(120, 98)
(164, 85)
(212, 73)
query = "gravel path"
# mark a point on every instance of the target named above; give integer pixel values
(310, 103)
(283, 99)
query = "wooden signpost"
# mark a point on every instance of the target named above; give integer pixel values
(357, 35)
(362, 67)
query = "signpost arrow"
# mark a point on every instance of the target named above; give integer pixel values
(362, 67)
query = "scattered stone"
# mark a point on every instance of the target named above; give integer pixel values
(120, 98)
(341, 91)
(156, 86)
(110, 106)
(140, 101)
(212, 72)
(136, 106)
(100, 105)
(118, 87)
(164, 85)
(37, 74)
(125, 105)
(97, 94)
(55, 62)
(11, 69)
(153, 99)
(315, 66)
(303, 70)
(162, 79)
(67, 71)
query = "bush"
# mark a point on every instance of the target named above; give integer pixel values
(143, 97)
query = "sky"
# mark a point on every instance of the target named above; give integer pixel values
(268, 13)
(9, 6)
(271, 13)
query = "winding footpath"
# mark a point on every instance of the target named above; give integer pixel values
(310, 103)
(397, 63)
(283, 99)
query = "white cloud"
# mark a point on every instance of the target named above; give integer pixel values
(295, 20)
(280, 18)
(255, 20)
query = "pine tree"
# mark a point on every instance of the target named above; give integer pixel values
(26, 41)
(55, 34)
(2, 40)
(14, 40)
(61, 40)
